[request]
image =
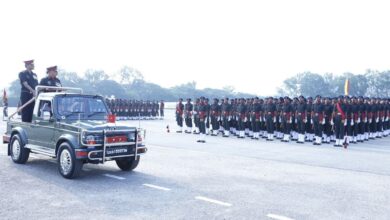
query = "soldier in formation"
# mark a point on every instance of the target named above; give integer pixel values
(342, 120)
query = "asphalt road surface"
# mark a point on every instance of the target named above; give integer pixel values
(222, 179)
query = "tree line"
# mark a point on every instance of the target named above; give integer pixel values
(372, 83)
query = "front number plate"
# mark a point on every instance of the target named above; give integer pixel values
(117, 151)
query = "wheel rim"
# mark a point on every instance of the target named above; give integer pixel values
(65, 162)
(15, 149)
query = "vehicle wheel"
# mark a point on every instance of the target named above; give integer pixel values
(127, 164)
(68, 166)
(19, 153)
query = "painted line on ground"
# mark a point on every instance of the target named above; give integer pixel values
(114, 176)
(278, 217)
(213, 201)
(156, 187)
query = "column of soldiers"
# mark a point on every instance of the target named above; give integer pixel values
(342, 120)
(136, 109)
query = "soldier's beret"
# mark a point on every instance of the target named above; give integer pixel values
(52, 68)
(28, 62)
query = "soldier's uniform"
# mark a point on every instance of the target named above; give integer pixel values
(339, 116)
(241, 114)
(179, 116)
(309, 120)
(278, 123)
(196, 116)
(26, 95)
(287, 112)
(255, 118)
(162, 107)
(318, 120)
(202, 108)
(270, 112)
(328, 109)
(226, 109)
(188, 108)
(301, 119)
(215, 113)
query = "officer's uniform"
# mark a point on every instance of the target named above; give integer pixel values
(226, 114)
(215, 114)
(25, 96)
(301, 119)
(202, 110)
(270, 112)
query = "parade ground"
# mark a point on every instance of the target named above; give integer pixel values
(224, 178)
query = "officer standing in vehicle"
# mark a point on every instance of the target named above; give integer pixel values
(28, 80)
(51, 78)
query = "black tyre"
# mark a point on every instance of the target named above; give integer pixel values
(127, 164)
(68, 166)
(19, 153)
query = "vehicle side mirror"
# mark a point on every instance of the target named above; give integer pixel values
(46, 115)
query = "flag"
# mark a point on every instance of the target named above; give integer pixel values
(4, 94)
(346, 87)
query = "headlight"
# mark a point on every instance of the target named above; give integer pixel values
(92, 138)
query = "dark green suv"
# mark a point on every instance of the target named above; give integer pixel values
(74, 128)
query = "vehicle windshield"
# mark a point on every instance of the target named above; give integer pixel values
(82, 107)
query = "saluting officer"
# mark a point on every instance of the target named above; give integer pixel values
(28, 80)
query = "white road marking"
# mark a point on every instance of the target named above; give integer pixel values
(278, 217)
(156, 187)
(114, 177)
(213, 201)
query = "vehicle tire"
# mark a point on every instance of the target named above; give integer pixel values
(19, 153)
(127, 164)
(68, 166)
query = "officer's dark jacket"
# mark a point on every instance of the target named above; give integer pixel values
(30, 78)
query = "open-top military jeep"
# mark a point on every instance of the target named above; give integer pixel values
(76, 129)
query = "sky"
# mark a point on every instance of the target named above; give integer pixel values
(251, 45)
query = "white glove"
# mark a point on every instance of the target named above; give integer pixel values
(311, 121)
(352, 122)
(290, 121)
(369, 120)
(274, 119)
(387, 118)
(296, 121)
(331, 122)
(383, 118)
(358, 121)
(345, 122)
(377, 120)
(323, 121)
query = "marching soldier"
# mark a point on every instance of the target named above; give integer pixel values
(179, 115)
(355, 120)
(162, 106)
(287, 111)
(270, 119)
(196, 116)
(318, 120)
(339, 117)
(255, 118)
(309, 121)
(28, 80)
(207, 106)
(328, 109)
(226, 114)
(278, 124)
(301, 119)
(241, 113)
(215, 114)
(188, 108)
(202, 108)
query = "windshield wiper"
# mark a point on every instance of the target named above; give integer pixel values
(94, 113)
(72, 113)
